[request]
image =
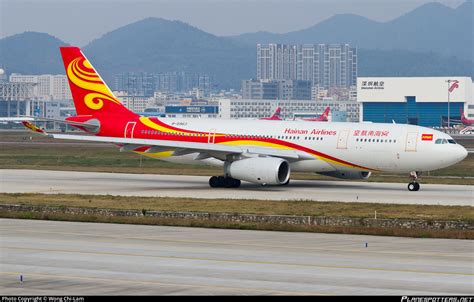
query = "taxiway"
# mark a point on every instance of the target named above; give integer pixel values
(71, 258)
(67, 182)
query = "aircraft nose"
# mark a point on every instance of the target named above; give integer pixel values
(460, 153)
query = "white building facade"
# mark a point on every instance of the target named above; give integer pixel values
(415, 100)
(47, 86)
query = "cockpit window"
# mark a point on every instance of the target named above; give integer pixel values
(442, 141)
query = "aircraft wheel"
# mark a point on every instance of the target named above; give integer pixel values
(236, 183)
(417, 186)
(214, 182)
(230, 182)
(221, 180)
(413, 186)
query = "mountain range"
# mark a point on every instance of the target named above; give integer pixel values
(432, 40)
(430, 27)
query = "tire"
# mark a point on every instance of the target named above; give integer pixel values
(417, 186)
(228, 182)
(214, 182)
(221, 181)
(411, 186)
(236, 183)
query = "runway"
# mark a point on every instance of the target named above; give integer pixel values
(41, 181)
(71, 258)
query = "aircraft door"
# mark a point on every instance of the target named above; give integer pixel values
(128, 132)
(211, 138)
(342, 139)
(411, 141)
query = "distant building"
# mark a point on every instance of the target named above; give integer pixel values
(414, 100)
(141, 83)
(260, 90)
(135, 103)
(290, 109)
(46, 86)
(294, 90)
(276, 89)
(146, 84)
(201, 111)
(324, 65)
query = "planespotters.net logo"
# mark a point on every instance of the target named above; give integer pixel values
(437, 299)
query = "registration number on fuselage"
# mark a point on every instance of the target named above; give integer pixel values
(179, 123)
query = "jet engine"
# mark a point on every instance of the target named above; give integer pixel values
(348, 174)
(261, 170)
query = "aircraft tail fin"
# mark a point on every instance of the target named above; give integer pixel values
(276, 115)
(90, 93)
(325, 113)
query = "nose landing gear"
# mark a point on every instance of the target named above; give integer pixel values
(414, 185)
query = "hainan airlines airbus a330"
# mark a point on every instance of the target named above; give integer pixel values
(256, 151)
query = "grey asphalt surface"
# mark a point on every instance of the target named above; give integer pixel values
(70, 258)
(41, 181)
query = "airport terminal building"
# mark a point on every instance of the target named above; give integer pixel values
(414, 100)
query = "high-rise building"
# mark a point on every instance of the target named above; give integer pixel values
(145, 84)
(141, 83)
(276, 62)
(324, 65)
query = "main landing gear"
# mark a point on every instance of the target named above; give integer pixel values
(223, 182)
(414, 185)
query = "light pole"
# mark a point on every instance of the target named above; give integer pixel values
(449, 107)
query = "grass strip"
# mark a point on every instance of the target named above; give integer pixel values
(246, 206)
(398, 232)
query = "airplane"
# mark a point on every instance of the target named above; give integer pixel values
(275, 116)
(322, 118)
(465, 121)
(257, 151)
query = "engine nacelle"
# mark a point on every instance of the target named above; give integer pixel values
(261, 170)
(348, 174)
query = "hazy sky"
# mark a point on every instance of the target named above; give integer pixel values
(79, 22)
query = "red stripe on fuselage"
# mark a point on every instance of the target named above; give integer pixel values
(221, 138)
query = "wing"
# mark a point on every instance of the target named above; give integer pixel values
(204, 150)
